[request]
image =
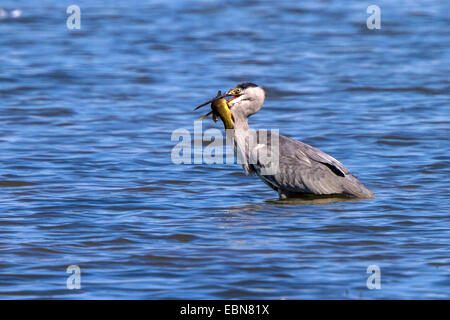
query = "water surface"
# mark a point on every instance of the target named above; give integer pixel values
(86, 178)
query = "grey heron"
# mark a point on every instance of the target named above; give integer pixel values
(302, 169)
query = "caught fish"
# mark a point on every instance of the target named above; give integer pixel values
(220, 109)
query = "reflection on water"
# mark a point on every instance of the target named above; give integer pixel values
(85, 171)
(313, 200)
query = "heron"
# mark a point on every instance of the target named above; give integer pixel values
(302, 170)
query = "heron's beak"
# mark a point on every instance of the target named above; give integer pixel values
(230, 93)
(213, 99)
(231, 101)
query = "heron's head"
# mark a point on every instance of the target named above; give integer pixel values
(247, 98)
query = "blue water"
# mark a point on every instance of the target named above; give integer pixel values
(86, 177)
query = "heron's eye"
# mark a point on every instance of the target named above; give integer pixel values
(237, 91)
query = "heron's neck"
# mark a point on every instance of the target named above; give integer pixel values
(241, 138)
(240, 120)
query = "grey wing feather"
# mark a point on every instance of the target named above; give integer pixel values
(305, 169)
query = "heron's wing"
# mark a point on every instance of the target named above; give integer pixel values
(321, 157)
(303, 168)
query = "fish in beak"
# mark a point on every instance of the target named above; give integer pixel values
(219, 96)
(221, 108)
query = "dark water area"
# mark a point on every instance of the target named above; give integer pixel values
(86, 176)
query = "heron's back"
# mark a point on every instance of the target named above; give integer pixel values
(303, 169)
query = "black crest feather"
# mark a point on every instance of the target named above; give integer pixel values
(245, 85)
